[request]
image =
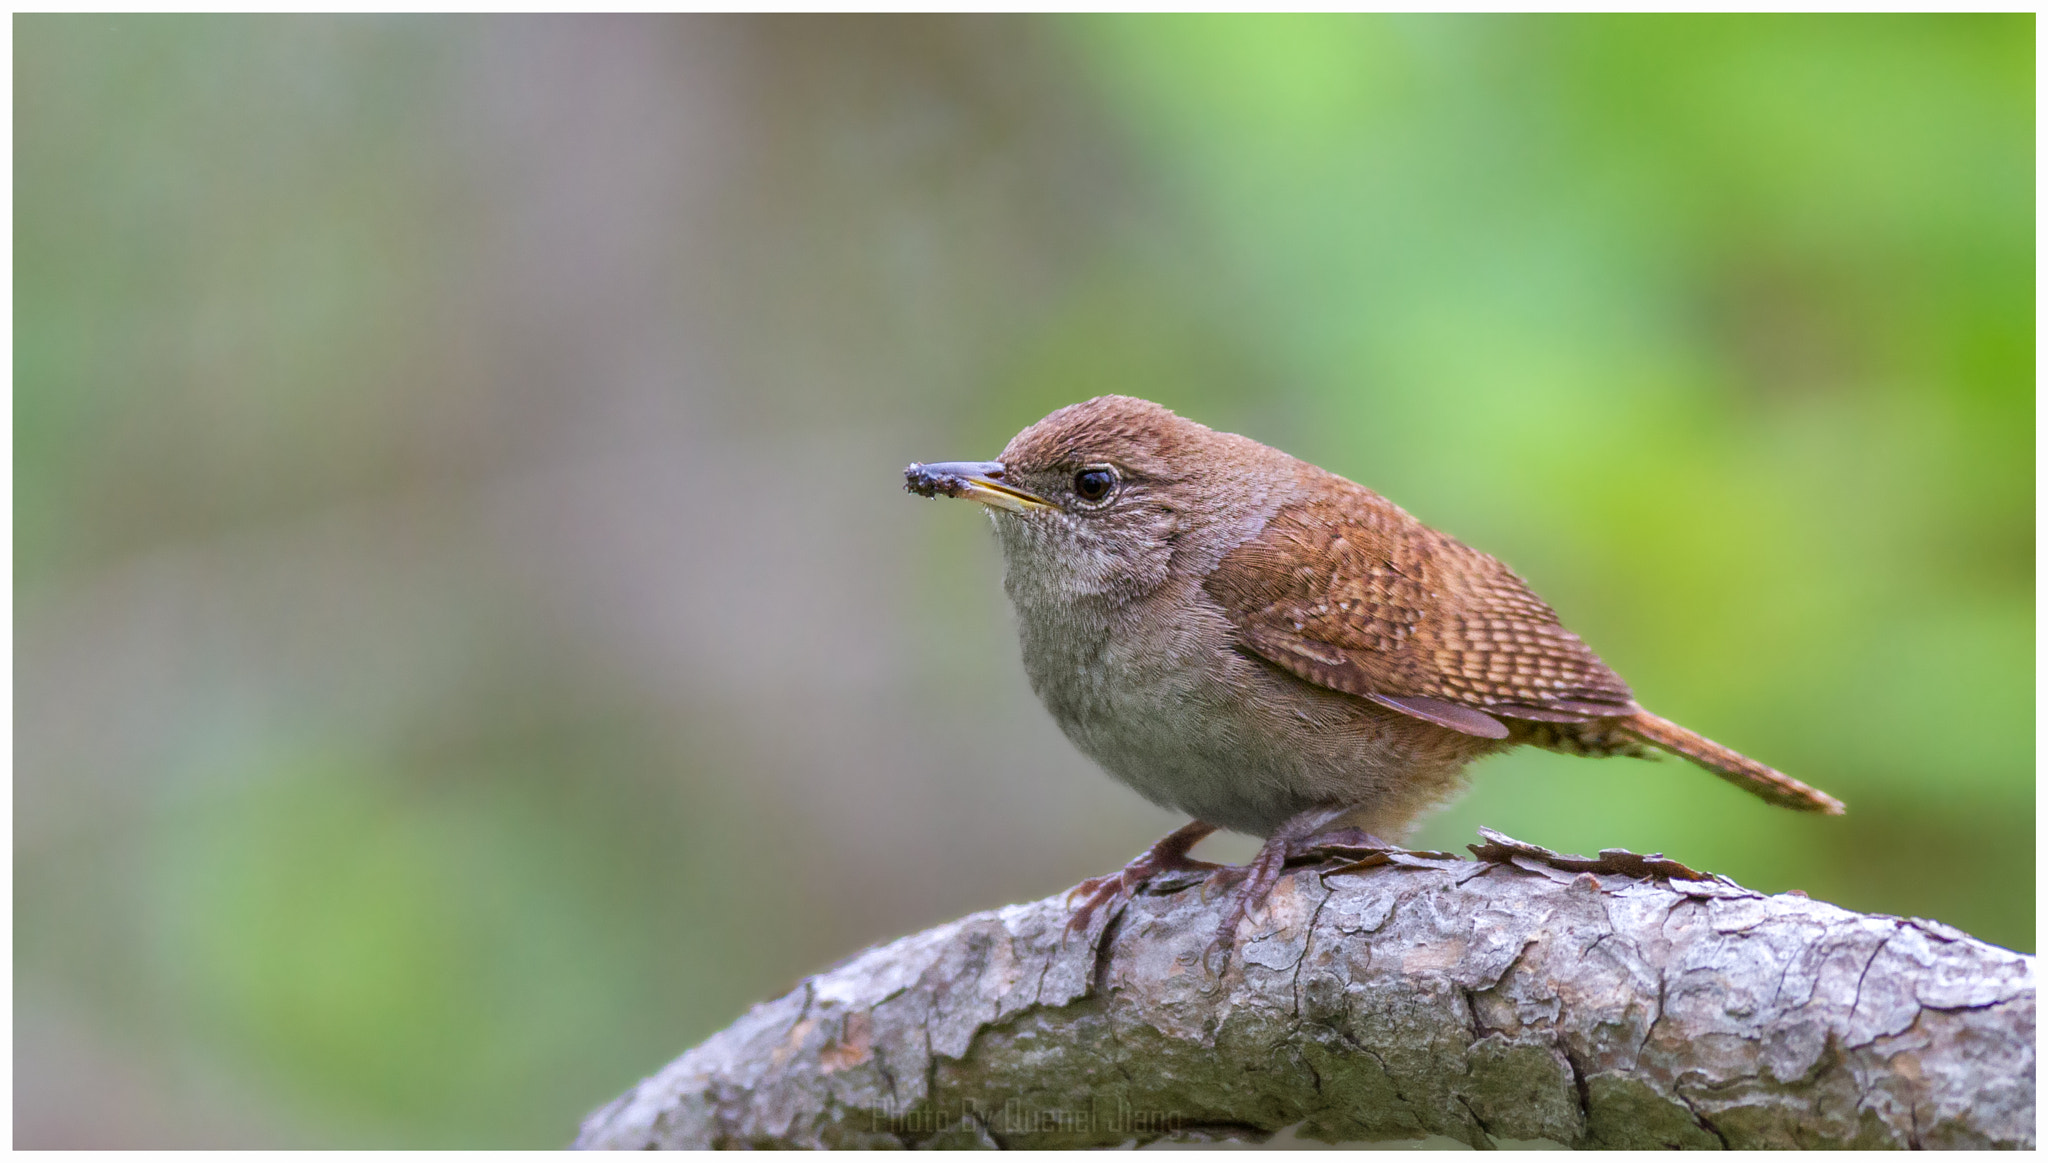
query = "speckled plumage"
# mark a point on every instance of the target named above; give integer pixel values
(1241, 636)
(1346, 590)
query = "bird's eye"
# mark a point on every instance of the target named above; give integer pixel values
(1093, 484)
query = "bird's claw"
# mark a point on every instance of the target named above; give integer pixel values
(1305, 841)
(1169, 855)
(1302, 839)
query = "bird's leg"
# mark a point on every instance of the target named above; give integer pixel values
(1298, 837)
(1169, 855)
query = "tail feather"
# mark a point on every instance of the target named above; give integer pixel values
(1736, 768)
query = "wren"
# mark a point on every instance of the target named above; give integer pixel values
(1267, 647)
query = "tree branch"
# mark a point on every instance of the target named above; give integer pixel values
(1519, 996)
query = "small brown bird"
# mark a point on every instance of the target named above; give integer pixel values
(1270, 648)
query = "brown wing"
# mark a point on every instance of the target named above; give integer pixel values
(1349, 592)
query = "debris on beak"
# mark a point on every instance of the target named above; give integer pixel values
(971, 480)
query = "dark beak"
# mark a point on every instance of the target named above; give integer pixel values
(976, 481)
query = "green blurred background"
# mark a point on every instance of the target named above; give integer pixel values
(471, 641)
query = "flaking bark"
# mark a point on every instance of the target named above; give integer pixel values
(1514, 997)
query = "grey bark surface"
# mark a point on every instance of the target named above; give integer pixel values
(1514, 997)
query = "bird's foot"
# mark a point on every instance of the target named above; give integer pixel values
(1169, 855)
(1307, 837)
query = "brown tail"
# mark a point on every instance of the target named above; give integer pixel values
(1738, 769)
